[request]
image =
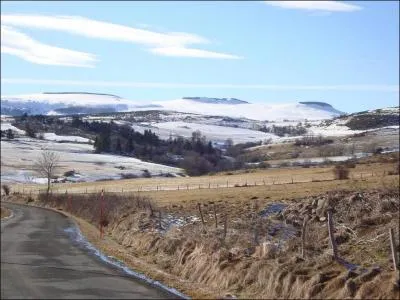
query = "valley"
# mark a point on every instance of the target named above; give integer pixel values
(222, 195)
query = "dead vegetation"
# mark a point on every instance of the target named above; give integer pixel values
(5, 213)
(256, 253)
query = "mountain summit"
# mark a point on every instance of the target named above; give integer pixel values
(67, 103)
(216, 100)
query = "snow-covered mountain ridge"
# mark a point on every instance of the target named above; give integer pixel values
(65, 103)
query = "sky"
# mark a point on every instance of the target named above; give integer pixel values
(345, 53)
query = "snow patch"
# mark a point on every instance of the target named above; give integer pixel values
(75, 234)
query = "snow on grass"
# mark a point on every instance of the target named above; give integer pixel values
(20, 154)
(76, 99)
(65, 138)
(212, 132)
(6, 126)
(333, 130)
(290, 111)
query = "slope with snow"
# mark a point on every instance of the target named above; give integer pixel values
(50, 136)
(214, 133)
(63, 103)
(18, 156)
(6, 126)
(87, 103)
(254, 111)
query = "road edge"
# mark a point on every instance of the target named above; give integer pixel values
(134, 274)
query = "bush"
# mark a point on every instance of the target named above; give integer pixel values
(350, 164)
(146, 174)
(6, 188)
(128, 176)
(341, 172)
(69, 173)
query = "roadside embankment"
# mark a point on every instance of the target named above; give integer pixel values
(209, 251)
(5, 212)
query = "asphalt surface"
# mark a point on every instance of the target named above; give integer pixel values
(40, 260)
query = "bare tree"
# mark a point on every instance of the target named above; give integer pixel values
(46, 165)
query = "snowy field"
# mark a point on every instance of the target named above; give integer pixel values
(212, 132)
(65, 138)
(255, 111)
(18, 156)
(6, 126)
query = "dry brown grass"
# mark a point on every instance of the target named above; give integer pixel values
(5, 212)
(204, 265)
(220, 181)
(215, 267)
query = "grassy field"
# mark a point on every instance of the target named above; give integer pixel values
(276, 182)
(220, 256)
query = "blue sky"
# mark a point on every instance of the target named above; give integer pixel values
(341, 52)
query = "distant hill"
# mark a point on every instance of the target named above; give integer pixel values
(216, 100)
(66, 103)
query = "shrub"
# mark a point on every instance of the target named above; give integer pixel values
(69, 173)
(146, 174)
(6, 188)
(341, 172)
(350, 164)
(128, 175)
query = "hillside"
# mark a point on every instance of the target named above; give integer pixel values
(66, 103)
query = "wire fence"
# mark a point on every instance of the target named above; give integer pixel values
(269, 182)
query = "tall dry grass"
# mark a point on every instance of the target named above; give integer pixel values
(241, 265)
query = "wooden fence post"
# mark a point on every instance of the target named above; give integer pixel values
(393, 248)
(303, 237)
(151, 209)
(187, 187)
(159, 219)
(225, 225)
(201, 215)
(227, 184)
(215, 216)
(101, 213)
(331, 234)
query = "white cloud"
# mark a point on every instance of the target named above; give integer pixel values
(162, 85)
(16, 43)
(170, 44)
(188, 52)
(327, 6)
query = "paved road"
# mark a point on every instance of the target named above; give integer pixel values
(39, 260)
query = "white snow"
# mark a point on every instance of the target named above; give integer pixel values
(212, 132)
(18, 156)
(277, 112)
(76, 99)
(65, 138)
(47, 103)
(6, 126)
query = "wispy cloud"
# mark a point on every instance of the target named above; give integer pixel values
(167, 44)
(19, 44)
(189, 52)
(326, 6)
(166, 85)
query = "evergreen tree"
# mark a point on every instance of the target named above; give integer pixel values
(10, 134)
(118, 147)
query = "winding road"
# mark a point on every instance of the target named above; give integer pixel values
(40, 260)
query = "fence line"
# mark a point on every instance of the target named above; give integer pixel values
(194, 186)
